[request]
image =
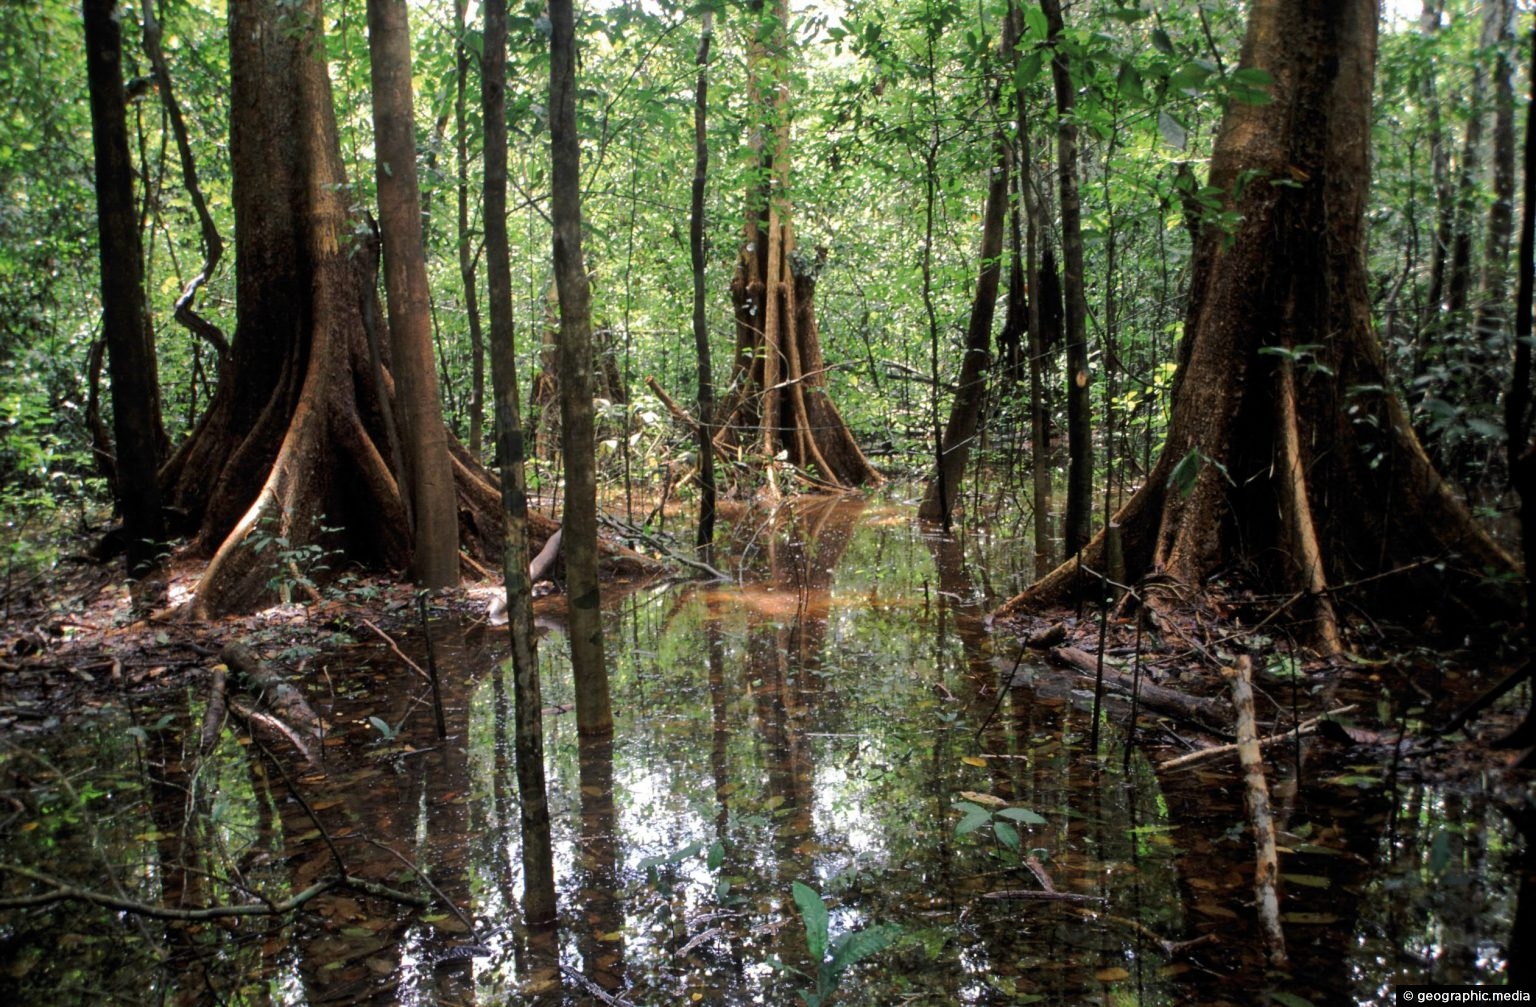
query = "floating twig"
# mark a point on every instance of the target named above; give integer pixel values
(1305, 727)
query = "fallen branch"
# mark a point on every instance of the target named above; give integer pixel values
(213, 716)
(255, 718)
(1155, 697)
(62, 891)
(663, 548)
(1303, 728)
(1041, 896)
(395, 648)
(284, 699)
(1256, 799)
(1171, 948)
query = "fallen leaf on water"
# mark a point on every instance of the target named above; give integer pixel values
(1111, 975)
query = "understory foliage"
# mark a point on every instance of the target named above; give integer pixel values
(887, 102)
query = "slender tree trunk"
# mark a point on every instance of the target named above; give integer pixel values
(466, 254)
(696, 222)
(1520, 448)
(1445, 198)
(1490, 326)
(213, 244)
(429, 472)
(1040, 340)
(594, 714)
(537, 851)
(965, 414)
(1079, 517)
(125, 320)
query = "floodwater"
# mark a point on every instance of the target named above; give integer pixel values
(839, 725)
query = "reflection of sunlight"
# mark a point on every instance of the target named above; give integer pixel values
(841, 812)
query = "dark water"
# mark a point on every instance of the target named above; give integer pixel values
(828, 722)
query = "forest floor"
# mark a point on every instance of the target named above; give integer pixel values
(78, 637)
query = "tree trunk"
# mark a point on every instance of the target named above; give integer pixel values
(965, 414)
(466, 256)
(594, 714)
(1286, 456)
(298, 449)
(779, 393)
(696, 222)
(125, 320)
(533, 800)
(428, 477)
(1490, 326)
(1078, 525)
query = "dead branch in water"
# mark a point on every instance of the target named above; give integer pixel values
(1256, 798)
(1304, 728)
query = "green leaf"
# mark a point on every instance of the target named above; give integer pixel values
(1289, 999)
(716, 855)
(1034, 21)
(1182, 479)
(975, 817)
(814, 912)
(851, 948)
(1253, 76)
(1190, 78)
(1173, 131)
(1308, 880)
(1021, 815)
(1006, 834)
(1027, 69)
(1161, 41)
(1128, 83)
(1129, 15)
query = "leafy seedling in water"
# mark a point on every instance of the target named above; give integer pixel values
(833, 956)
(382, 726)
(1003, 822)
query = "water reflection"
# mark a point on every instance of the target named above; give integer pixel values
(817, 723)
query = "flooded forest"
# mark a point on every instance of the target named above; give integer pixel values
(766, 503)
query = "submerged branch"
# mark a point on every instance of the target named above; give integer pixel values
(62, 891)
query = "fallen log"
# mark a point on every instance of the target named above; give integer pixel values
(1206, 712)
(283, 699)
(213, 715)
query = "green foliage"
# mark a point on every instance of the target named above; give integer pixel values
(832, 956)
(1003, 823)
(874, 91)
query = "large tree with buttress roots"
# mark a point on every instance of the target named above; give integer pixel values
(779, 403)
(301, 450)
(1288, 462)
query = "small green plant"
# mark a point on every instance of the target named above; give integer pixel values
(833, 956)
(1002, 821)
(388, 732)
(297, 565)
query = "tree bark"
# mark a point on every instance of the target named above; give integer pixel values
(779, 398)
(466, 256)
(1078, 523)
(533, 800)
(125, 320)
(594, 713)
(943, 486)
(428, 476)
(707, 492)
(1243, 475)
(1490, 326)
